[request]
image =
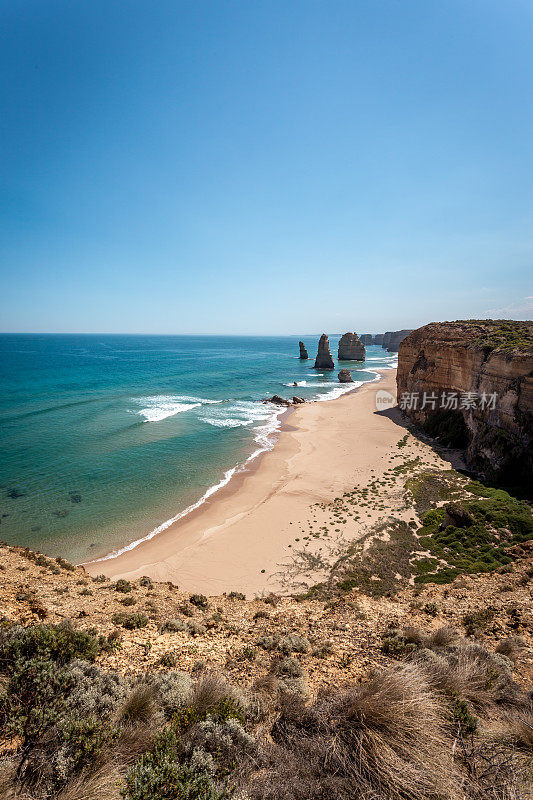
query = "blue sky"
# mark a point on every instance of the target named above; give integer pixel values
(264, 166)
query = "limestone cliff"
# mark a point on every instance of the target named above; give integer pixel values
(351, 348)
(367, 338)
(323, 359)
(396, 338)
(488, 366)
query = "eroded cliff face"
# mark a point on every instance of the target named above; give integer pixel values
(491, 360)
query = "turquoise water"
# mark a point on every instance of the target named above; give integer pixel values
(105, 438)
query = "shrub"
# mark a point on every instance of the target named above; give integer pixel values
(146, 581)
(59, 643)
(237, 596)
(199, 600)
(476, 621)
(173, 690)
(160, 776)
(128, 601)
(173, 626)
(293, 643)
(123, 586)
(93, 691)
(130, 621)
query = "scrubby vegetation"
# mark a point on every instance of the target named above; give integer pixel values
(422, 728)
(475, 535)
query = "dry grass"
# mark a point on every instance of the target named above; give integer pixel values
(140, 706)
(386, 737)
(101, 785)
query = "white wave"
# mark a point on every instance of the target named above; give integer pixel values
(156, 413)
(238, 414)
(298, 383)
(226, 423)
(162, 406)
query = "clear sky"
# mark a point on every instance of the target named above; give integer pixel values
(264, 166)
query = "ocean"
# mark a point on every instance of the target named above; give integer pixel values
(104, 440)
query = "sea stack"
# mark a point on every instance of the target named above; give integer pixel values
(345, 376)
(323, 359)
(366, 338)
(303, 351)
(351, 348)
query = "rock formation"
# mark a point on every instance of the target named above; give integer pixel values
(345, 376)
(351, 348)
(378, 338)
(303, 351)
(367, 338)
(323, 359)
(281, 401)
(386, 339)
(396, 338)
(481, 374)
(278, 401)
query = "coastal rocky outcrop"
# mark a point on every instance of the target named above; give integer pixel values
(351, 348)
(345, 376)
(323, 359)
(396, 338)
(389, 341)
(281, 401)
(303, 351)
(470, 383)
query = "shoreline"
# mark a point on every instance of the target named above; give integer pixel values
(324, 449)
(231, 475)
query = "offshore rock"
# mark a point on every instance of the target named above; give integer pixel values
(278, 401)
(396, 338)
(297, 400)
(351, 348)
(345, 376)
(323, 359)
(378, 338)
(367, 338)
(303, 351)
(488, 366)
(386, 339)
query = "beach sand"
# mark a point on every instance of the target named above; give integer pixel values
(244, 534)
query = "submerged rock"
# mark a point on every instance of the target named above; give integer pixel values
(323, 359)
(345, 376)
(303, 351)
(351, 348)
(15, 493)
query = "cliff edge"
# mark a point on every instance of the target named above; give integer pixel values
(470, 383)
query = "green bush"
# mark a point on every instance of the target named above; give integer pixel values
(199, 600)
(130, 621)
(58, 643)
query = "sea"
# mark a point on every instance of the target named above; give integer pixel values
(105, 440)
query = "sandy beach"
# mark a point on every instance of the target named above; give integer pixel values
(241, 538)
